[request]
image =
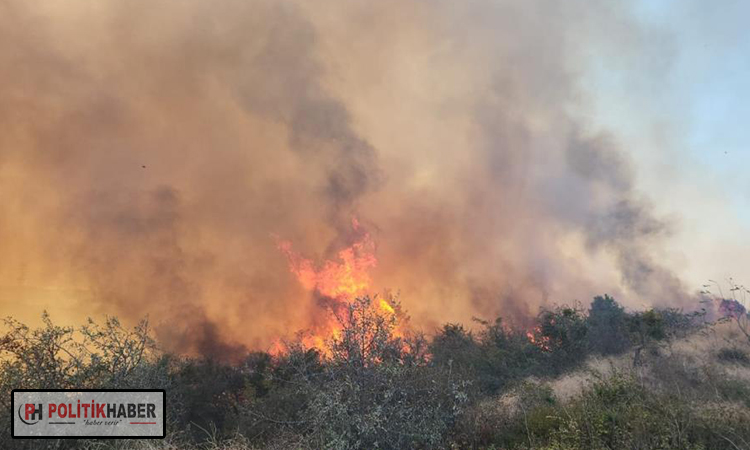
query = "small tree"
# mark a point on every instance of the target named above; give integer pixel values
(507, 355)
(375, 390)
(92, 356)
(646, 329)
(732, 307)
(564, 333)
(456, 349)
(607, 333)
(366, 337)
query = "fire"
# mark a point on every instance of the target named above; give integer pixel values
(386, 307)
(341, 279)
(535, 337)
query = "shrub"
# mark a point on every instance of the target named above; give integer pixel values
(93, 356)
(564, 332)
(734, 355)
(607, 329)
(373, 386)
(372, 392)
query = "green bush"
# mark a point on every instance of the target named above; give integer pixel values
(734, 355)
(620, 412)
(93, 356)
(607, 328)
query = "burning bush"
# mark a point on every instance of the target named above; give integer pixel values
(375, 390)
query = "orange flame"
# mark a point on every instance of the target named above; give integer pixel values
(535, 337)
(342, 279)
(386, 307)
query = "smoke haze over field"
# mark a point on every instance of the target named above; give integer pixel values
(151, 151)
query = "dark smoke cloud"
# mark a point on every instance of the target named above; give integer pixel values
(149, 151)
(627, 224)
(281, 80)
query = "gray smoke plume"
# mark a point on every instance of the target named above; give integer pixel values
(150, 151)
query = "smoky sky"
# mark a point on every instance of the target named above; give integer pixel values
(151, 151)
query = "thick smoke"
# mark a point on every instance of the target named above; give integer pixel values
(149, 151)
